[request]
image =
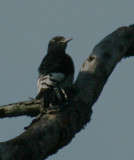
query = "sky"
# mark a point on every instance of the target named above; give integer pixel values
(26, 26)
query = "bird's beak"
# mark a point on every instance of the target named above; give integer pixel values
(67, 40)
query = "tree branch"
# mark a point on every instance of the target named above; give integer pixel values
(29, 108)
(56, 129)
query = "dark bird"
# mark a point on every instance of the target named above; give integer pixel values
(56, 71)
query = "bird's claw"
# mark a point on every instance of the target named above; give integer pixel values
(65, 95)
(60, 94)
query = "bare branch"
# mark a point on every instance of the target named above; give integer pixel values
(57, 128)
(29, 108)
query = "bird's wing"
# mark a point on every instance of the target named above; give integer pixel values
(50, 80)
(53, 63)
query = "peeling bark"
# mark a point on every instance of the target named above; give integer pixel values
(56, 128)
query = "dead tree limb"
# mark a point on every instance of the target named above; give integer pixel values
(57, 128)
(30, 108)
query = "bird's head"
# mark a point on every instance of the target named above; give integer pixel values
(58, 43)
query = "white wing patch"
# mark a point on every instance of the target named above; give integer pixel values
(50, 80)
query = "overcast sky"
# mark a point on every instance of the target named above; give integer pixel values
(26, 26)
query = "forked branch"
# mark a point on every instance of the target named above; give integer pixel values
(57, 128)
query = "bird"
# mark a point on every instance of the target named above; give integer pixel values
(56, 72)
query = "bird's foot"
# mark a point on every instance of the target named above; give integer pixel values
(64, 94)
(53, 98)
(60, 94)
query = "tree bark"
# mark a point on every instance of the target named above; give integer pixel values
(56, 128)
(30, 108)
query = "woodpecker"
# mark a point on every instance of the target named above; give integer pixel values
(56, 71)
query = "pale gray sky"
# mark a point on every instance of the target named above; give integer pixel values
(25, 29)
